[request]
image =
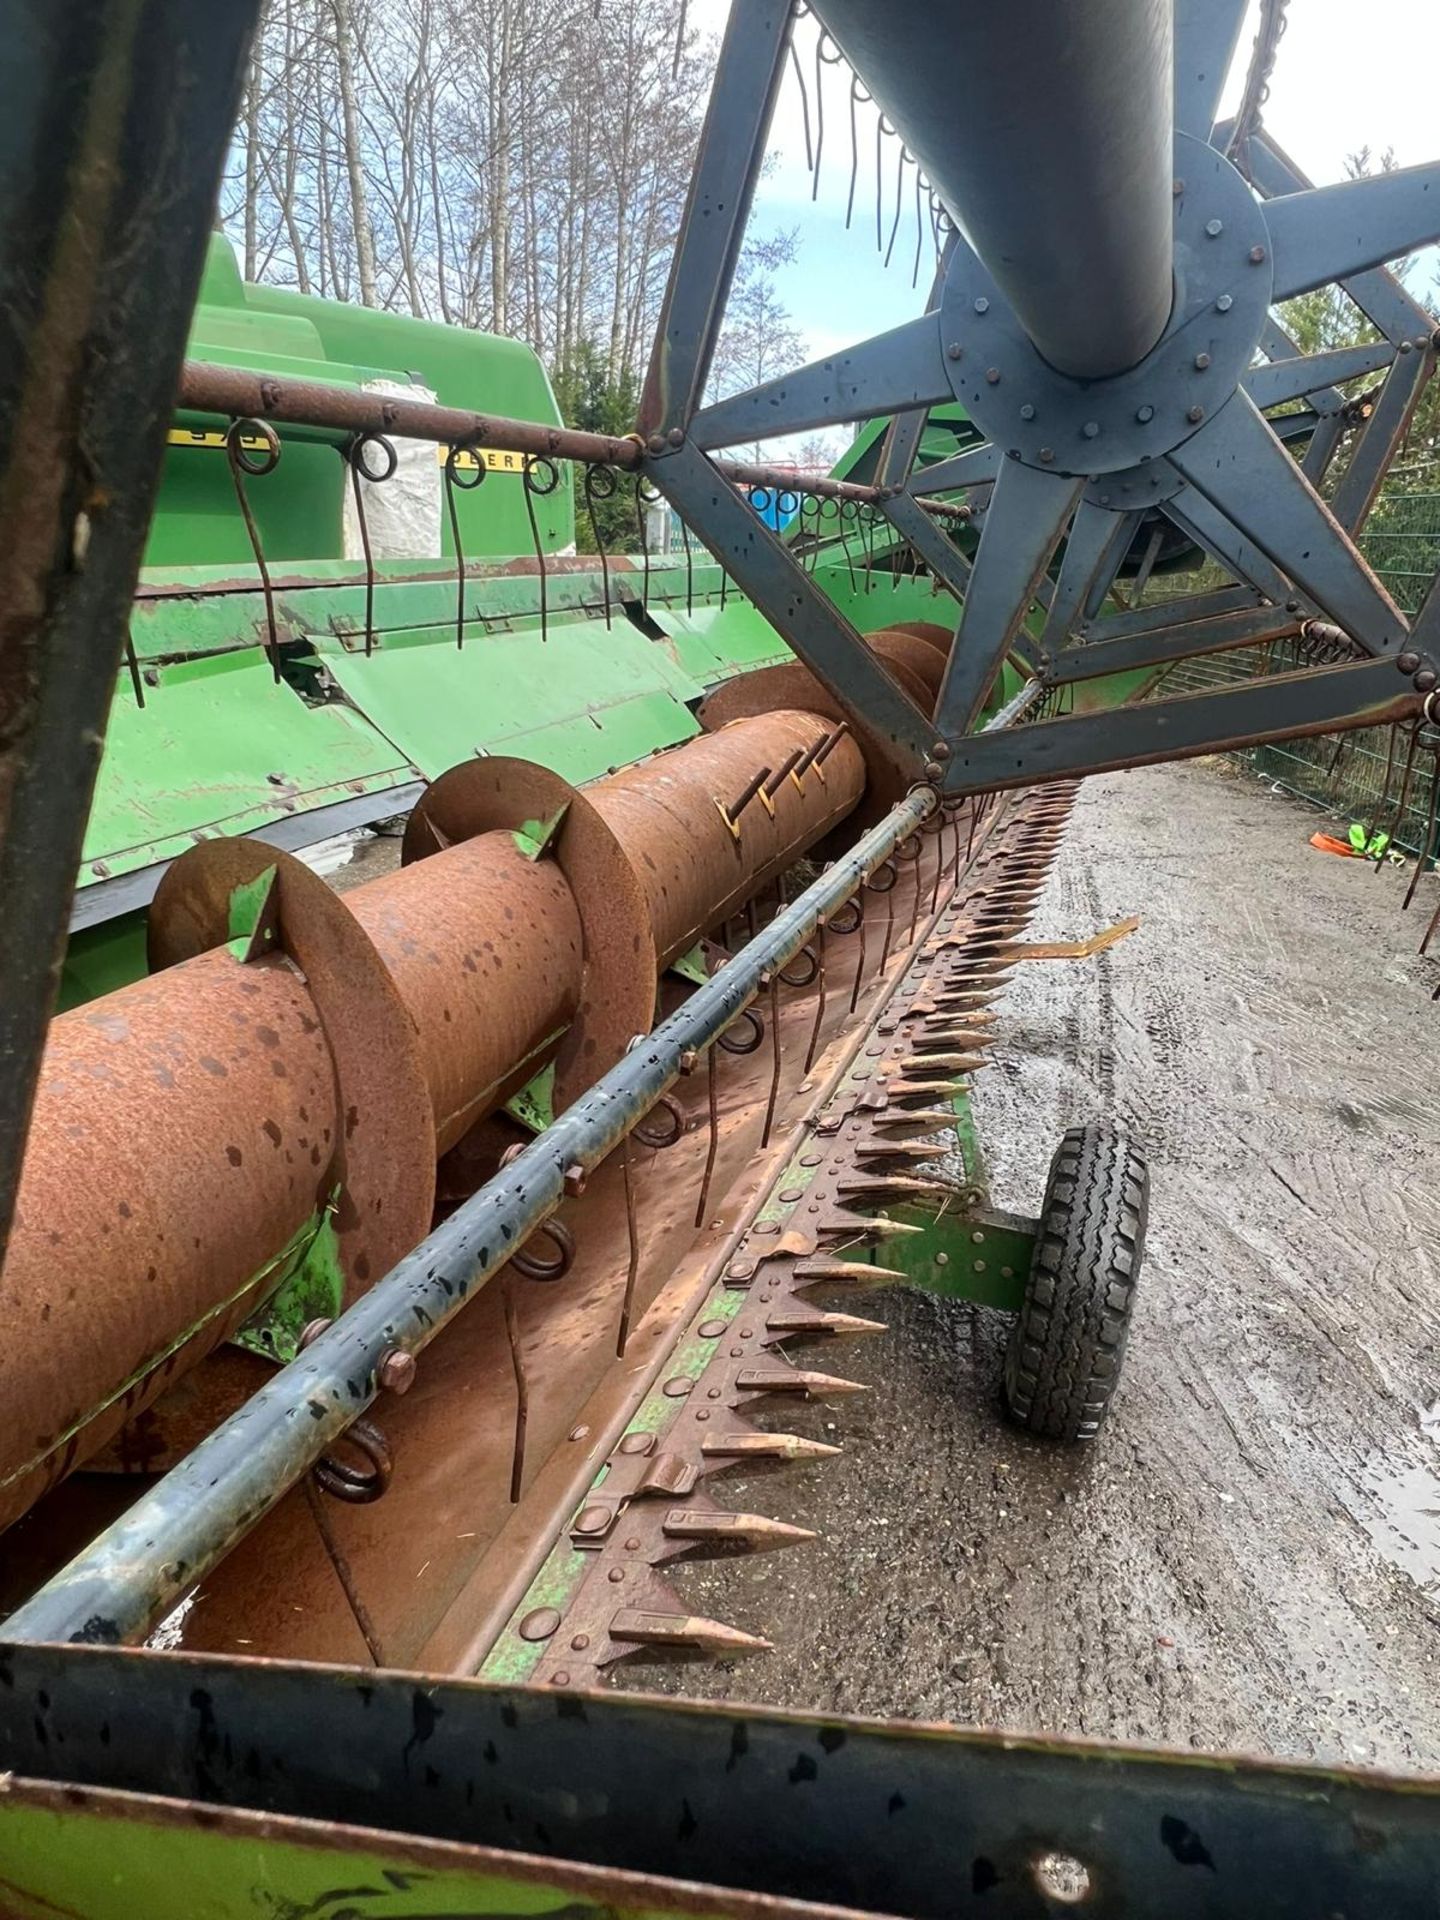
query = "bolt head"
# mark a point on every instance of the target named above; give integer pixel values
(982, 305)
(1047, 455)
(689, 1060)
(1404, 347)
(992, 376)
(1027, 412)
(1202, 361)
(1091, 429)
(656, 443)
(954, 351)
(1145, 415)
(1195, 416)
(1224, 303)
(932, 769)
(941, 750)
(1425, 680)
(676, 436)
(1408, 662)
(1214, 228)
(575, 1180)
(1257, 254)
(396, 1371)
(1177, 187)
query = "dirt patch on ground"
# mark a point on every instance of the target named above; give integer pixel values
(1249, 1557)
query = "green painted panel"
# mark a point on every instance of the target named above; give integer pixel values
(298, 507)
(581, 700)
(981, 1255)
(220, 748)
(101, 959)
(713, 644)
(106, 1856)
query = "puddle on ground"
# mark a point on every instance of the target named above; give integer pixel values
(1402, 1518)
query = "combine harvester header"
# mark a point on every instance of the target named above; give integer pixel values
(388, 1276)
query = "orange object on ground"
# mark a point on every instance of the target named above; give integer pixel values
(1327, 843)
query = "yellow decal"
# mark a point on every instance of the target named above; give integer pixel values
(495, 460)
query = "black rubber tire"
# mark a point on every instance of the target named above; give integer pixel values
(1068, 1341)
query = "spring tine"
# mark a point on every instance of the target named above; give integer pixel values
(880, 125)
(804, 104)
(819, 113)
(508, 1292)
(712, 1111)
(1430, 931)
(899, 198)
(855, 83)
(633, 1267)
(136, 685)
(592, 483)
(344, 1574)
(774, 1061)
(889, 928)
(357, 494)
(529, 489)
(860, 936)
(819, 998)
(236, 458)
(644, 542)
(1403, 801)
(455, 541)
(1429, 841)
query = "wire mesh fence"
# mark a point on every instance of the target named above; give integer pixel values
(1384, 779)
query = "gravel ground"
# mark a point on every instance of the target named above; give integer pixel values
(1249, 1557)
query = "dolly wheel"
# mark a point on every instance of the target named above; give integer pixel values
(1068, 1342)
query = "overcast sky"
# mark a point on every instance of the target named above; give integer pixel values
(1348, 75)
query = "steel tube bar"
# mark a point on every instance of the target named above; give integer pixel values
(1280, 707)
(136, 1570)
(112, 112)
(1058, 166)
(1246, 628)
(239, 393)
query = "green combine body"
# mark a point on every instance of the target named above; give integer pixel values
(349, 732)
